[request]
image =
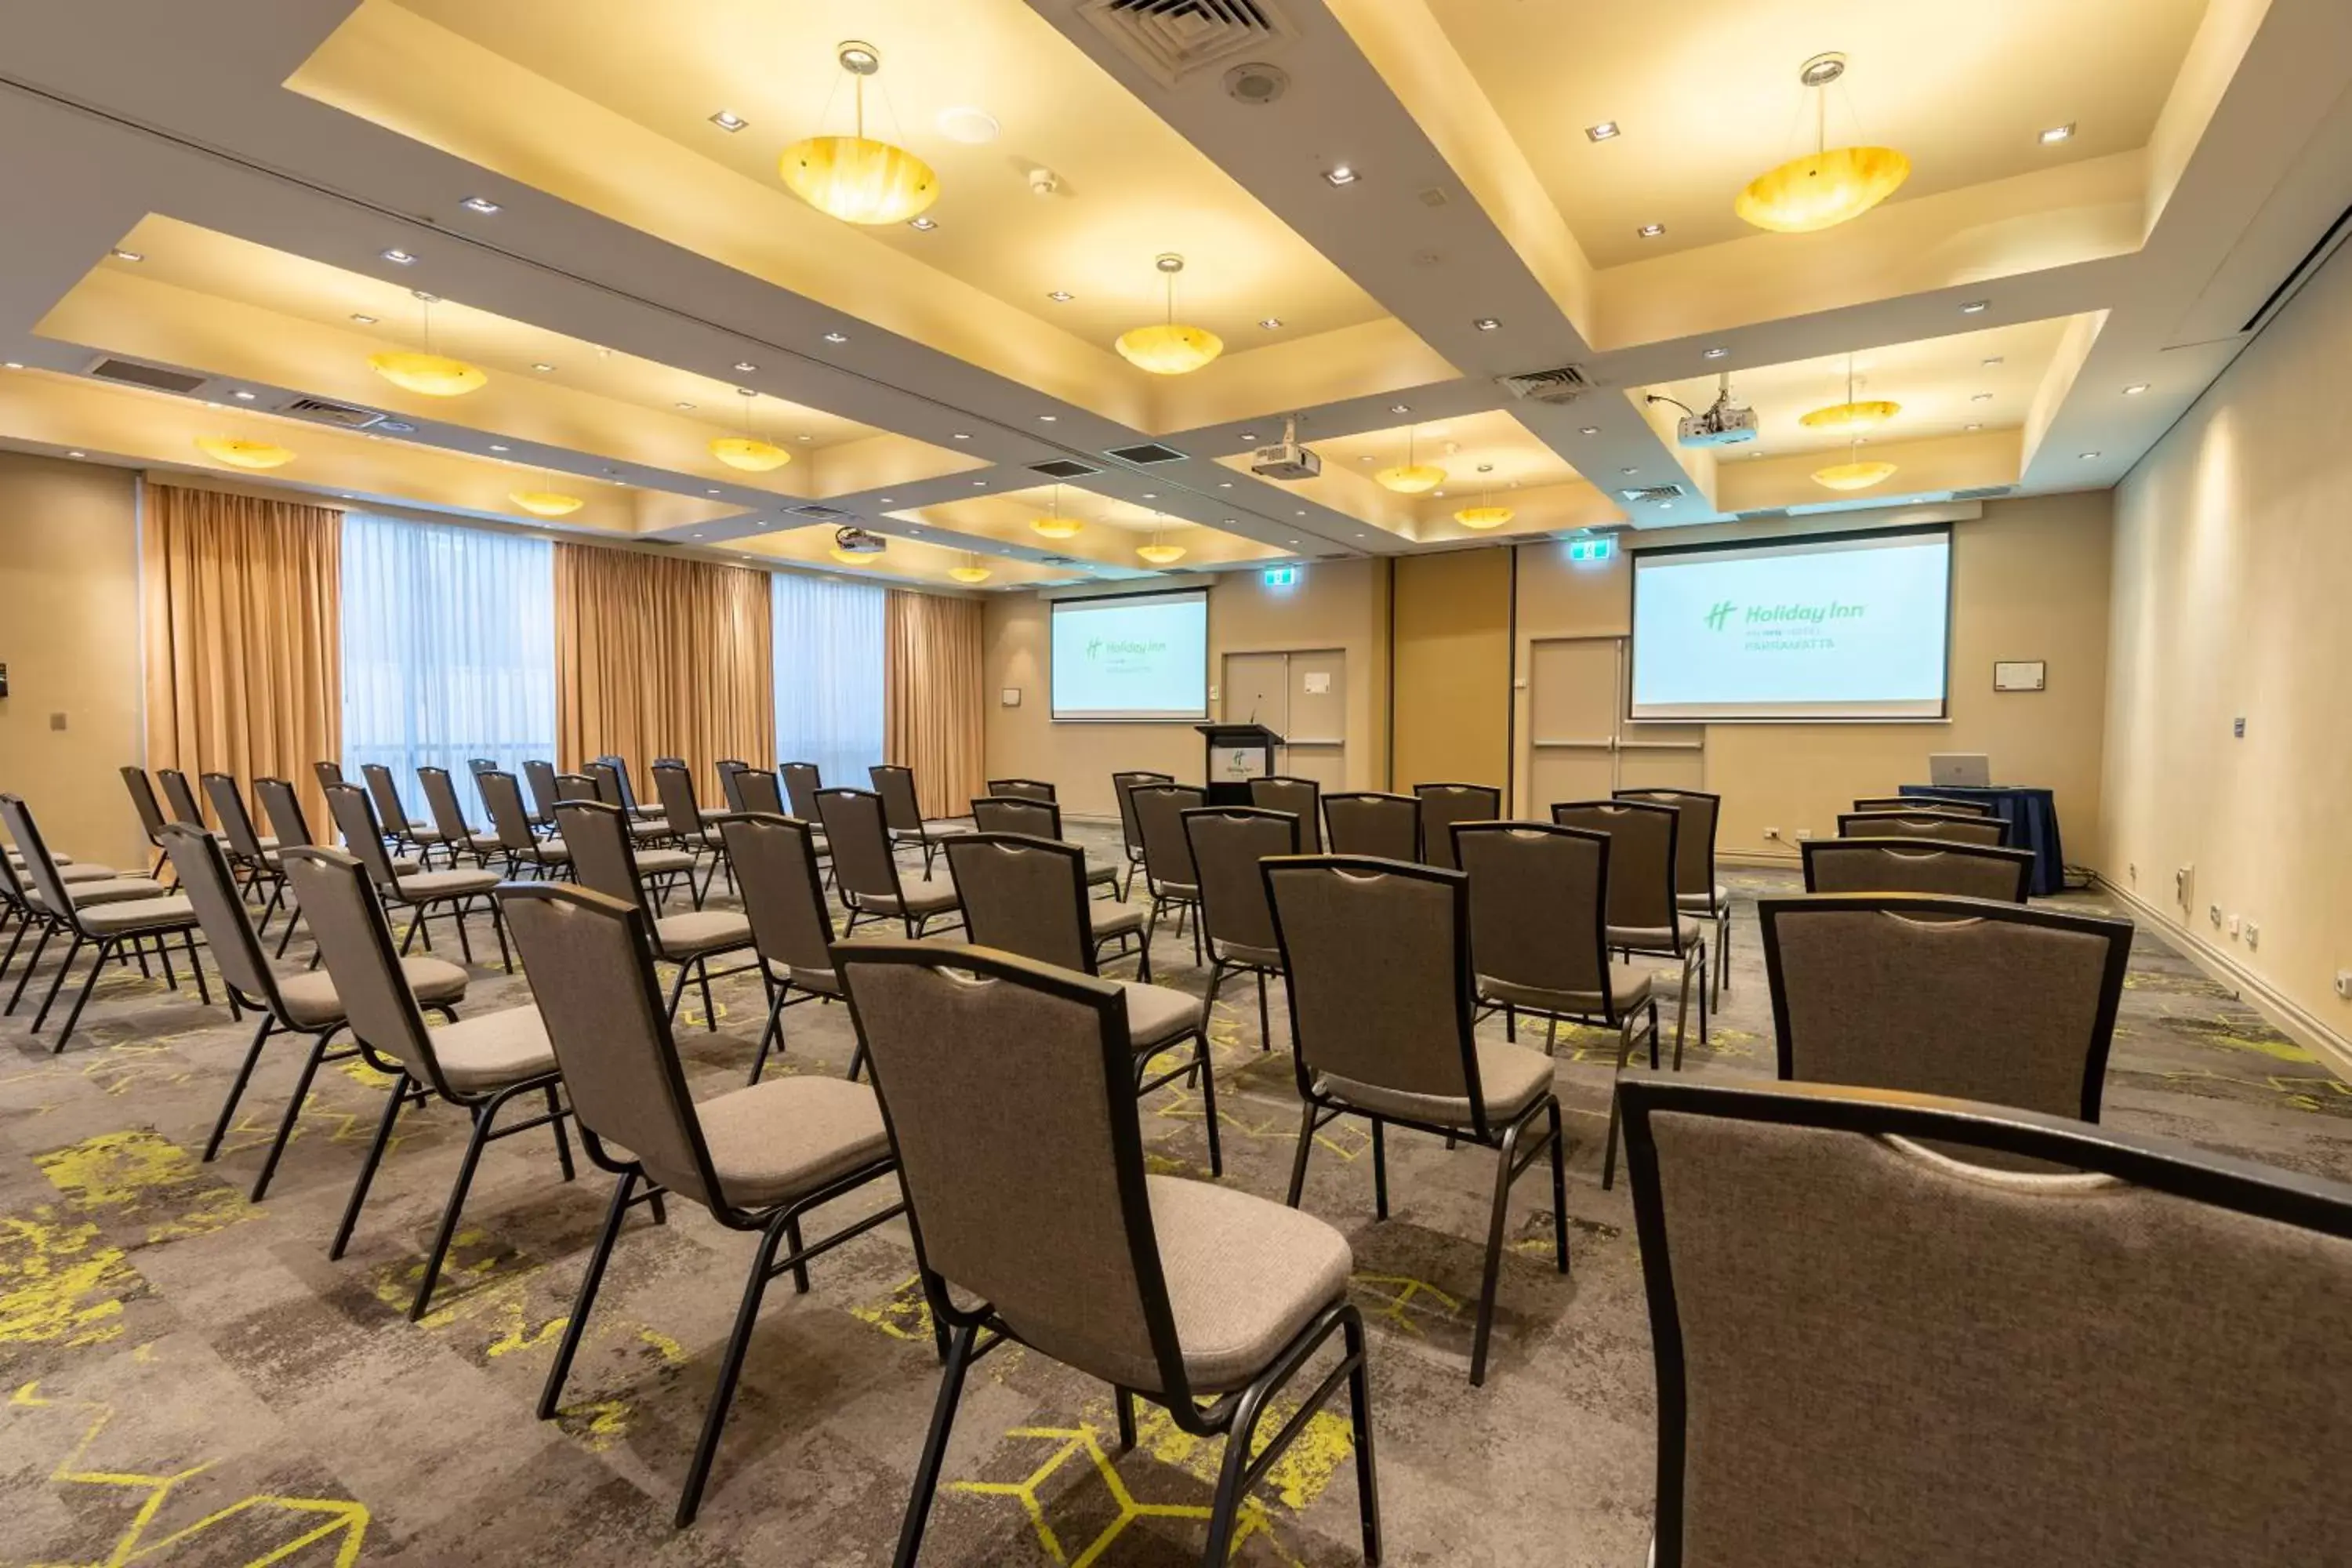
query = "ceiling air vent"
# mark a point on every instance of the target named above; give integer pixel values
(815, 513)
(1983, 492)
(1173, 39)
(319, 411)
(153, 377)
(1654, 492)
(1058, 560)
(1064, 469)
(1146, 452)
(1565, 384)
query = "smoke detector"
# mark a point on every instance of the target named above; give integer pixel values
(1256, 83)
(1045, 182)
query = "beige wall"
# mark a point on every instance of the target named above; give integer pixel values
(1335, 605)
(70, 635)
(1453, 667)
(2233, 553)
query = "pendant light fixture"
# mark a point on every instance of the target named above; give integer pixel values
(1170, 347)
(971, 570)
(1054, 525)
(240, 452)
(1485, 515)
(857, 178)
(1160, 554)
(432, 374)
(1830, 186)
(747, 451)
(1853, 474)
(546, 503)
(1411, 477)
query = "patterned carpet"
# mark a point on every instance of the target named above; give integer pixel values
(185, 1377)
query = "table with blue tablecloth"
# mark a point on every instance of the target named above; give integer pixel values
(2033, 818)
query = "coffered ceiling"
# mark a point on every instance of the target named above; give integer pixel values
(1385, 208)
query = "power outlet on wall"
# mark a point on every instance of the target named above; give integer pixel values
(1773, 833)
(2344, 984)
(1804, 833)
(2213, 913)
(2253, 934)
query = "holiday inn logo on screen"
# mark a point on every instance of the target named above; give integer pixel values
(1719, 617)
(1124, 647)
(1721, 613)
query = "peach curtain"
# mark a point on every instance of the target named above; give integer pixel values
(242, 599)
(932, 697)
(661, 658)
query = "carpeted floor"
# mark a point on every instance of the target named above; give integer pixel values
(185, 1377)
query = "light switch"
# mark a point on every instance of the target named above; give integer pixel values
(56, 721)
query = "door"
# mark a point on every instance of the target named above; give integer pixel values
(1303, 698)
(1581, 746)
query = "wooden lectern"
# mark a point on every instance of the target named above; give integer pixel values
(1228, 773)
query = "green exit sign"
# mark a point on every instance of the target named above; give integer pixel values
(1282, 576)
(1599, 549)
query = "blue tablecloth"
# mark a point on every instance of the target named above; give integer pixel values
(2033, 818)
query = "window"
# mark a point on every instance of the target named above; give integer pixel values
(828, 649)
(449, 652)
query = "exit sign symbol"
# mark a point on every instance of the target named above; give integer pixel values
(1600, 549)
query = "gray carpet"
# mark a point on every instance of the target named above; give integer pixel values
(185, 1377)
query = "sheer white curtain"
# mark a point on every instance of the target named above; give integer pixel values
(828, 649)
(449, 652)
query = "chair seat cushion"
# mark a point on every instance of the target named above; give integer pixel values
(663, 862)
(656, 829)
(1629, 987)
(424, 834)
(551, 848)
(1241, 952)
(1157, 1015)
(824, 982)
(696, 931)
(1698, 903)
(1099, 875)
(917, 896)
(776, 1140)
(17, 860)
(1657, 939)
(1511, 1077)
(1115, 919)
(491, 1050)
(113, 890)
(84, 872)
(1245, 1274)
(138, 914)
(427, 885)
(311, 1002)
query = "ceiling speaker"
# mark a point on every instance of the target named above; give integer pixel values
(1256, 83)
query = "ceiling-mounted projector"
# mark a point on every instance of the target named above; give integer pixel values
(1726, 423)
(857, 541)
(1287, 460)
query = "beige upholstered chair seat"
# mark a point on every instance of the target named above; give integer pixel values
(1112, 922)
(1099, 875)
(828, 980)
(444, 884)
(1656, 938)
(552, 847)
(700, 931)
(1243, 953)
(663, 862)
(1190, 891)
(69, 875)
(491, 1051)
(420, 834)
(137, 915)
(1245, 1275)
(1512, 1077)
(1157, 1015)
(311, 1002)
(1629, 987)
(1699, 901)
(654, 829)
(920, 897)
(111, 890)
(57, 861)
(775, 1141)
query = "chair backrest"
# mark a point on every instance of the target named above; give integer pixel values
(860, 848)
(1122, 785)
(142, 801)
(1924, 802)
(206, 882)
(1303, 798)
(756, 793)
(329, 774)
(384, 791)
(355, 819)
(40, 873)
(1369, 822)
(729, 768)
(510, 819)
(180, 797)
(1227, 844)
(902, 811)
(236, 822)
(1966, 997)
(541, 775)
(1023, 814)
(282, 808)
(802, 780)
(1021, 789)
(1008, 1091)
(782, 889)
(1916, 866)
(347, 920)
(1376, 962)
(1643, 841)
(610, 778)
(2103, 1366)
(591, 968)
(441, 801)
(1023, 895)
(1443, 805)
(577, 787)
(1539, 903)
(480, 765)
(1694, 834)
(1160, 811)
(1951, 826)
(674, 787)
(603, 851)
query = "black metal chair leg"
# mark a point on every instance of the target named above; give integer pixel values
(458, 919)
(293, 1110)
(1241, 1440)
(31, 965)
(498, 929)
(204, 992)
(1559, 1187)
(483, 1116)
(237, 1089)
(400, 1094)
(1624, 1053)
(1486, 1331)
(56, 982)
(709, 1008)
(81, 999)
(935, 1446)
(551, 1394)
(1124, 1399)
(677, 990)
(800, 1270)
(747, 1317)
(563, 1139)
(1208, 1075)
(1299, 1159)
(1360, 1410)
(1264, 1029)
(1379, 1168)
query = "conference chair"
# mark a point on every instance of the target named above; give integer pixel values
(328, 773)
(1034, 1221)
(618, 789)
(1646, 917)
(180, 797)
(1966, 997)
(1022, 789)
(449, 894)
(1696, 892)
(1227, 842)
(290, 828)
(1169, 875)
(1372, 822)
(151, 813)
(1122, 787)
(759, 1158)
(1376, 961)
(867, 873)
(1440, 805)
(1026, 896)
(758, 789)
(480, 1065)
(1916, 866)
(1033, 818)
(1952, 826)
(110, 926)
(253, 857)
(2128, 1362)
(727, 767)
(608, 782)
(298, 1005)
(605, 857)
(392, 818)
(457, 834)
(902, 814)
(1302, 799)
(782, 889)
(523, 847)
(541, 775)
(84, 883)
(802, 780)
(697, 839)
(1925, 803)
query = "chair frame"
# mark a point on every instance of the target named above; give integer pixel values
(695, 835)
(1102, 875)
(1310, 822)
(1162, 900)
(1423, 797)
(1511, 1159)
(1355, 794)
(16, 905)
(248, 856)
(915, 924)
(1022, 789)
(781, 992)
(1694, 956)
(2021, 860)
(449, 814)
(390, 892)
(180, 797)
(391, 819)
(1218, 964)
(698, 964)
(920, 834)
(2008, 828)
(964, 1336)
(1876, 803)
(531, 854)
(1123, 788)
(150, 817)
(1719, 913)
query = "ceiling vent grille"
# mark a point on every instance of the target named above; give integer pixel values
(815, 513)
(1983, 492)
(153, 377)
(319, 411)
(1173, 39)
(1146, 452)
(1654, 492)
(1565, 384)
(1064, 469)
(1058, 560)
